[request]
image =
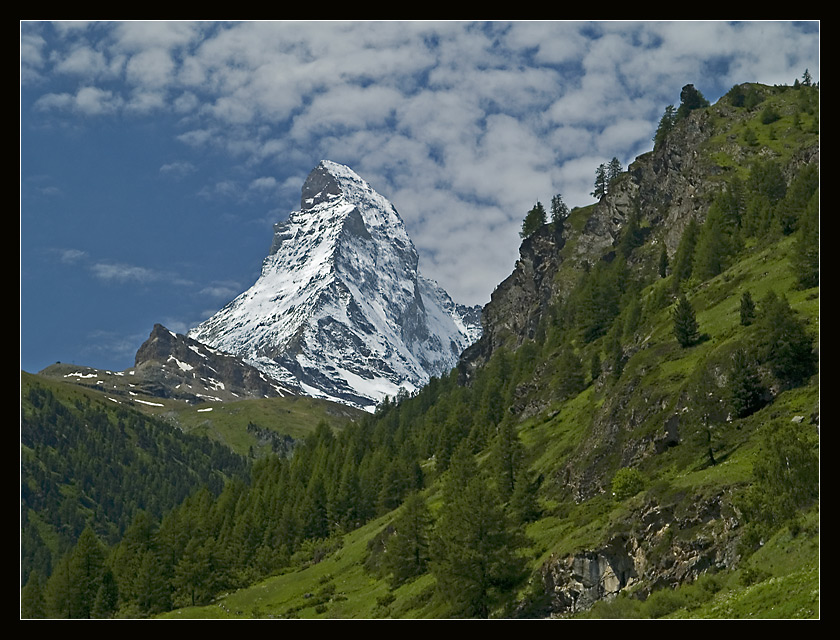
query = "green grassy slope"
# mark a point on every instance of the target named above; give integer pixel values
(659, 373)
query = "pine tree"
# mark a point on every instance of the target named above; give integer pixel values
(595, 366)
(571, 374)
(408, 548)
(87, 566)
(684, 256)
(193, 572)
(690, 99)
(685, 323)
(712, 249)
(32, 602)
(806, 251)
(107, 597)
(559, 211)
(533, 221)
(666, 124)
(782, 342)
(747, 310)
(474, 548)
(600, 182)
(663, 262)
(746, 393)
(507, 453)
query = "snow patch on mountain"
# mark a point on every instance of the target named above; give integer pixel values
(340, 310)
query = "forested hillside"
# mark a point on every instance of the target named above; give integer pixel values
(636, 434)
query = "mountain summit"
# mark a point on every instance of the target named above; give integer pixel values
(340, 310)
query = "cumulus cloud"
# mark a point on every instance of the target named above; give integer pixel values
(463, 125)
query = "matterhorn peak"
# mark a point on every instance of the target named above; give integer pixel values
(340, 310)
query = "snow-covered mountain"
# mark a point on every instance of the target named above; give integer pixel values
(340, 310)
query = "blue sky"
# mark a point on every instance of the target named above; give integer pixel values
(156, 156)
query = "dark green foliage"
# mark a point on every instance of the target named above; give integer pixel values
(711, 255)
(523, 505)
(746, 392)
(806, 253)
(690, 100)
(782, 343)
(785, 479)
(627, 482)
(474, 549)
(572, 379)
(663, 262)
(666, 124)
(408, 548)
(32, 603)
(595, 366)
(614, 170)
(615, 349)
(686, 330)
(107, 596)
(507, 458)
(559, 212)
(747, 310)
(153, 467)
(73, 586)
(769, 115)
(533, 221)
(764, 189)
(600, 182)
(684, 256)
(631, 236)
(798, 199)
(597, 300)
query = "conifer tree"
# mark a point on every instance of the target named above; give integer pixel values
(747, 310)
(600, 182)
(614, 170)
(666, 124)
(408, 549)
(571, 373)
(595, 366)
(533, 221)
(474, 557)
(746, 393)
(87, 565)
(712, 249)
(806, 251)
(32, 602)
(559, 211)
(107, 597)
(684, 256)
(663, 262)
(685, 323)
(782, 342)
(507, 457)
(690, 99)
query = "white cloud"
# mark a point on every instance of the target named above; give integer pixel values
(178, 169)
(462, 125)
(151, 69)
(122, 273)
(82, 61)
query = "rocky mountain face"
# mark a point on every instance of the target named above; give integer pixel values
(665, 188)
(340, 310)
(176, 367)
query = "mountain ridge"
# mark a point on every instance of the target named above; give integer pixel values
(340, 309)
